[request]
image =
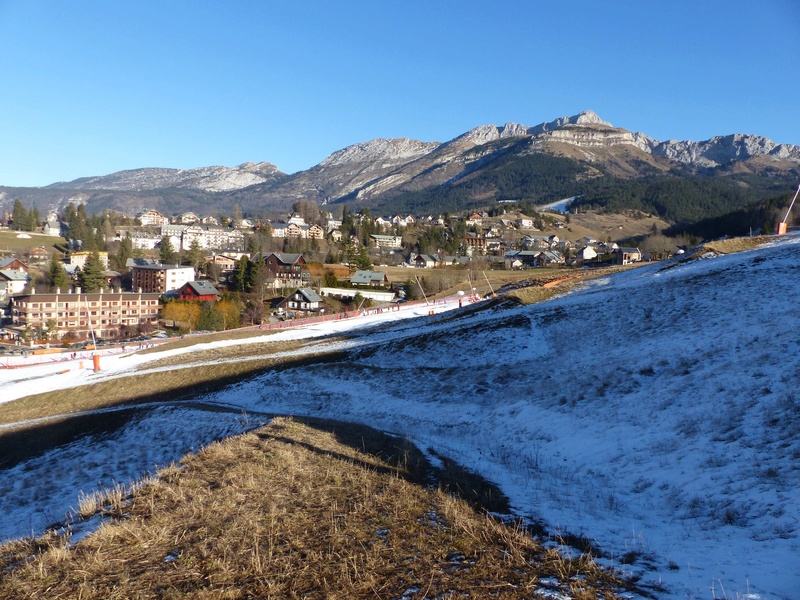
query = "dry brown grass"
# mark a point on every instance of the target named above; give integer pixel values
(290, 511)
(543, 286)
(732, 245)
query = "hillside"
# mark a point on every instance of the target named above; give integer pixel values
(653, 413)
(318, 510)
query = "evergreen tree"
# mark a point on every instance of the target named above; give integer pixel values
(167, 254)
(124, 252)
(91, 276)
(258, 276)
(348, 223)
(20, 216)
(329, 279)
(56, 275)
(351, 254)
(195, 256)
(33, 219)
(239, 276)
(364, 263)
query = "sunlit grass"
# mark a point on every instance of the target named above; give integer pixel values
(289, 511)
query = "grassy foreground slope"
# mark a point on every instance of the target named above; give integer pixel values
(287, 511)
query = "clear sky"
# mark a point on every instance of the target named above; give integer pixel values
(93, 87)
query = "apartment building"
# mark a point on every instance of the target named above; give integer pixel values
(158, 278)
(103, 313)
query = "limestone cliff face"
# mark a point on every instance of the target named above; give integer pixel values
(721, 150)
(209, 179)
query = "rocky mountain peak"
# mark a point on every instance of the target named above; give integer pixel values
(586, 117)
(380, 149)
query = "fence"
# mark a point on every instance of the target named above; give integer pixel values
(31, 356)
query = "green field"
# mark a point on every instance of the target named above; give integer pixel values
(12, 244)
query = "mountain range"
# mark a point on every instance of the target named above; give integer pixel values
(561, 158)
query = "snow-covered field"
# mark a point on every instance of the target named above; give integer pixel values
(656, 413)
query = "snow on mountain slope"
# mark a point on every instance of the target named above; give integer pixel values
(656, 413)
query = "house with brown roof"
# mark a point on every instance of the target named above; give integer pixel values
(287, 269)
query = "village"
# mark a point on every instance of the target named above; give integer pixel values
(75, 280)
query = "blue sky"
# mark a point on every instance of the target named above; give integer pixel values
(91, 87)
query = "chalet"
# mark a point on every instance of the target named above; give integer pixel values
(493, 232)
(13, 264)
(78, 259)
(386, 241)
(39, 254)
(303, 300)
(152, 217)
(335, 235)
(52, 228)
(227, 264)
(426, 261)
(209, 220)
(455, 261)
(627, 256)
(369, 279)
(607, 247)
(332, 224)
(12, 282)
(144, 241)
(513, 263)
(315, 232)
(287, 269)
(494, 245)
(586, 253)
(401, 221)
(198, 290)
(549, 257)
(535, 242)
(474, 219)
(475, 241)
(277, 230)
(188, 218)
(286, 230)
(563, 246)
(382, 222)
(516, 259)
(524, 223)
